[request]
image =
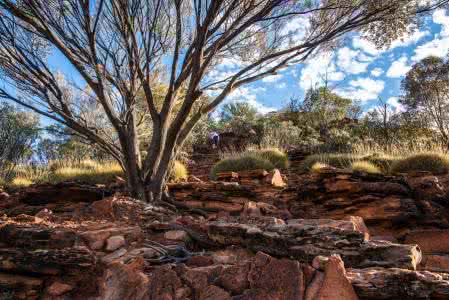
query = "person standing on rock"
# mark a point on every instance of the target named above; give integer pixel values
(214, 139)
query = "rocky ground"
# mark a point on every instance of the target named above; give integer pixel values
(252, 235)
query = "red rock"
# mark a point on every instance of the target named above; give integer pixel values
(275, 179)
(115, 242)
(335, 285)
(213, 292)
(58, 288)
(281, 276)
(435, 263)
(359, 225)
(430, 241)
(251, 209)
(200, 261)
(124, 281)
(343, 186)
(176, 235)
(259, 173)
(20, 287)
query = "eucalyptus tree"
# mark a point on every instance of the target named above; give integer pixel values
(426, 93)
(113, 48)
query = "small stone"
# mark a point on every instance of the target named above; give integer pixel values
(320, 262)
(251, 209)
(115, 242)
(113, 256)
(176, 235)
(275, 179)
(59, 288)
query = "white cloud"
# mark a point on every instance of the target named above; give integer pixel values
(348, 61)
(272, 78)
(439, 46)
(394, 102)
(281, 85)
(362, 89)
(440, 17)
(370, 48)
(318, 69)
(376, 72)
(365, 46)
(398, 68)
(248, 95)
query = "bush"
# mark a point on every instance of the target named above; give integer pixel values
(244, 162)
(430, 162)
(278, 158)
(341, 161)
(178, 172)
(365, 167)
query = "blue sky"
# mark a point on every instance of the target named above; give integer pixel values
(356, 70)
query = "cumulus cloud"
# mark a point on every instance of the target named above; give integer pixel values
(248, 95)
(348, 61)
(362, 89)
(439, 46)
(376, 72)
(318, 69)
(394, 102)
(272, 78)
(398, 68)
(369, 47)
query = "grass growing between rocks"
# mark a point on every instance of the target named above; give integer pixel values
(178, 172)
(97, 173)
(278, 158)
(266, 159)
(430, 162)
(341, 161)
(88, 171)
(365, 167)
(380, 163)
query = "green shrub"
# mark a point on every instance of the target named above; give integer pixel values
(365, 167)
(244, 162)
(430, 162)
(341, 161)
(278, 158)
(178, 172)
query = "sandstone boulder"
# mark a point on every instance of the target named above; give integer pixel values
(302, 241)
(381, 283)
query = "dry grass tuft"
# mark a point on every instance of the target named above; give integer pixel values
(365, 167)
(430, 162)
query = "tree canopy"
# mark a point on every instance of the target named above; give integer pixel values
(117, 48)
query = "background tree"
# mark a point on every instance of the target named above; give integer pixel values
(426, 92)
(18, 132)
(117, 46)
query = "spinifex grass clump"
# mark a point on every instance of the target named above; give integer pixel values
(341, 161)
(277, 157)
(430, 162)
(243, 162)
(178, 172)
(317, 167)
(380, 160)
(365, 167)
(93, 173)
